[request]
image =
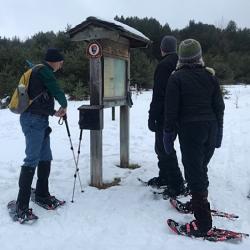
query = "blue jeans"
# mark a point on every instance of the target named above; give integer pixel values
(35, 128)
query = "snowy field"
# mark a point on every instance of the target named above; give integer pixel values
(125, 217)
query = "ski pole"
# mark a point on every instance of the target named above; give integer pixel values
(71, 147)
(74, 157)
(77, 160)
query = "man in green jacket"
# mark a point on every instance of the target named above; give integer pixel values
(35, 126)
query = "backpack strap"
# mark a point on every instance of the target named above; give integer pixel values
(35, 69)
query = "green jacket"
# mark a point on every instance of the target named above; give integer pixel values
(47, 76)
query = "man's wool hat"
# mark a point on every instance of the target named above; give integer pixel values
(168, 44)
(53, 55)
(189, 51)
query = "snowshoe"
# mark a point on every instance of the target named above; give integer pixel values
(22, 216)
(214, 234)
(186, 208)
(157, 182)
(153, 183)
(168, 193)
(49, 202)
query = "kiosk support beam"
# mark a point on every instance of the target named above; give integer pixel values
(96, 135)
(124, 136)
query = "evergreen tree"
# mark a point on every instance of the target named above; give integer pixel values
(227, 50)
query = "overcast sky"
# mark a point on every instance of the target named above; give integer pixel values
(24, 18)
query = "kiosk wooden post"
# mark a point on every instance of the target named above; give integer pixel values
(96, 135)
(124, 136)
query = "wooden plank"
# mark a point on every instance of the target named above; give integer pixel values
(96, 135)
(112, 103)
(95, 81)
(95, 33)
(124, 136)
(115, 49)
(124, 125)
(96, 158)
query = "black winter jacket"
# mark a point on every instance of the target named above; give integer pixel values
(162, 72)
(193, 94)
(42, 80)
(44, 104)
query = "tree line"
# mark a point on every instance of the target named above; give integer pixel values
(226, 49)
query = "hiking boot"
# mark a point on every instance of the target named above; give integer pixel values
(185, 191)
(173, 193)
(45, 201)
(185, 207)
(49, 202)
(192, 229)
(23, 215)
(157, 182)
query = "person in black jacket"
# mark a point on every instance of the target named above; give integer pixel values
(169, 171)
(194, 108)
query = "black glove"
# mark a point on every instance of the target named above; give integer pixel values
(219, 137)
(168, 141)
(152, 125)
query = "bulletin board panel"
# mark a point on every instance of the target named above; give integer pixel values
(114, 79)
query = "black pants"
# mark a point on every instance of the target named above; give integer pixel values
(168, 164)
(197, 142)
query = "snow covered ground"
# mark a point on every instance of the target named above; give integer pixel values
(125, 217)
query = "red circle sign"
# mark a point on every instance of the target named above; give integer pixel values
(94, 50)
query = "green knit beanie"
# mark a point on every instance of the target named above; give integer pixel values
(189, 51)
